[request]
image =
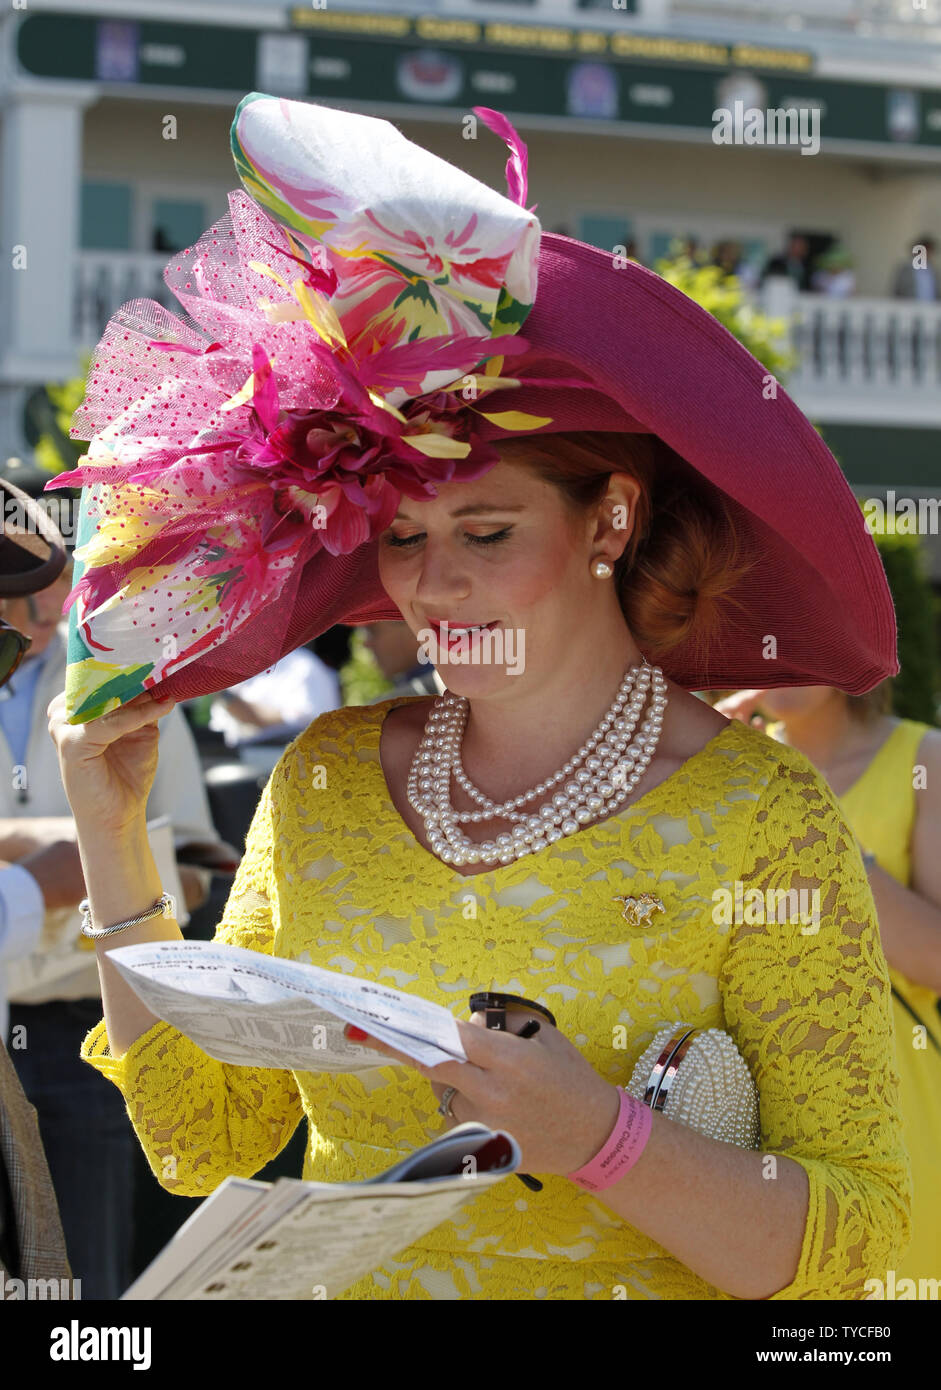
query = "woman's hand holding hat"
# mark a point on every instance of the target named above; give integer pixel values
(108, 765)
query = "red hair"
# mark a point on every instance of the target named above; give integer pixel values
(681, 560)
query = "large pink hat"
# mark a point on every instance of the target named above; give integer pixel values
(369, 321)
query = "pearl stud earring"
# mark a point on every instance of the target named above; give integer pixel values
(601, 569)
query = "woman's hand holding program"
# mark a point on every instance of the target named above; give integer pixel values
(108, 765)
(539, 1089)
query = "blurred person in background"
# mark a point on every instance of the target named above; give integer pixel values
(260, 716)
(834, 274)
(727, 255)
(886, 774)
(395, 649)
(731, 260)
(792, 262)
(333, 647)
(916, 277)
(32, 1244)
(53, 990)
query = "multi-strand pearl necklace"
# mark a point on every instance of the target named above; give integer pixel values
(601, 775)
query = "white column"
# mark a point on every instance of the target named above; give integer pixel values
(40, 184)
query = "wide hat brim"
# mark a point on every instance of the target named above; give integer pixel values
(814, 608)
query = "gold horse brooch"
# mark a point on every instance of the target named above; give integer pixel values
(638, 911)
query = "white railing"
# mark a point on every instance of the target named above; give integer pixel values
(848, 12)
(863, 359)
(777, 9)
(104, 280)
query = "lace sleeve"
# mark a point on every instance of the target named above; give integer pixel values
(199, 1120)
(806, 996)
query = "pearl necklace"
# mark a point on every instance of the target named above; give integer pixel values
(602, 774)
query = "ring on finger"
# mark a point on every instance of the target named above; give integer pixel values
(444, 1107)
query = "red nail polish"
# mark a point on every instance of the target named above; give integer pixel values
(354, 1034)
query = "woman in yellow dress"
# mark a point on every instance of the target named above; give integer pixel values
(886, 773)
(487, 839)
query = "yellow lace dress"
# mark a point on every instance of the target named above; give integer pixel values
(332, 875)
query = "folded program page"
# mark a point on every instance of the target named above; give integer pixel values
(252, 1009)
(312, 1240)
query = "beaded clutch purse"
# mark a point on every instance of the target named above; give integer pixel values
(698, 1078)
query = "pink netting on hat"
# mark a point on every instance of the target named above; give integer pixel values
(215, 283)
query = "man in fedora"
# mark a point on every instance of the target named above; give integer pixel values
(32, 1246)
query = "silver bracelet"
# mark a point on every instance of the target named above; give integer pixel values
(163, 907)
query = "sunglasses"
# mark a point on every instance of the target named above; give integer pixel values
(494, 1007)
(13, 647)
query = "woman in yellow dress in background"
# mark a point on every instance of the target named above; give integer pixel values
(886, 774)
(487, 839)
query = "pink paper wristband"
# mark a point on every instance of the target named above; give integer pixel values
(624, 1146)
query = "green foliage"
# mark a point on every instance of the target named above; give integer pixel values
(360, 679)
(724, 296)
(916, 689)
(52, 411)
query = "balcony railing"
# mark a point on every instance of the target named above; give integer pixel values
(104, 280)
(846, 13)
(864, 359)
